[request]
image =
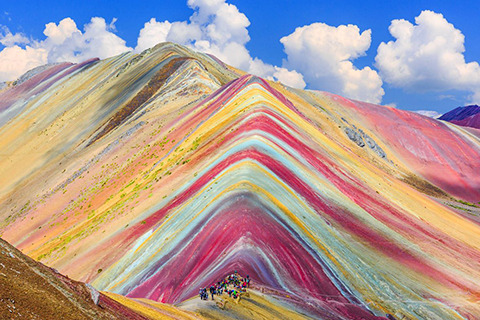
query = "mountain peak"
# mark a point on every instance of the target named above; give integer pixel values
(468, 116)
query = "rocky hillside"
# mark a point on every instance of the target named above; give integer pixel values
(30, 290)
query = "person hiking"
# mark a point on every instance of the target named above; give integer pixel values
(234, 285)
(219, 289)
(212, 290)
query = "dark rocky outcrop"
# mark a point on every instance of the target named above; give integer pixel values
(360, 138)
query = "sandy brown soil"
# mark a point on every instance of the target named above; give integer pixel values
(30, 290)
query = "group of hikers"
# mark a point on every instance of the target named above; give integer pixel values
(233, 285)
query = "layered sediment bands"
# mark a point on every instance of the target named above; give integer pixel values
(200, 171)
(155, 83)
(265, 156)
(428, 147)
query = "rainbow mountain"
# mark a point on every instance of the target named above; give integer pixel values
(151, 175)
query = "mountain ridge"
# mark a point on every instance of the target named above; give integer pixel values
(205, 169)
(468, 116)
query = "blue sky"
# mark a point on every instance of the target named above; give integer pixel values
(437, 81)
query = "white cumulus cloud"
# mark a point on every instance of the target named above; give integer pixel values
(218, 28)
(153, 32)
(290, 78)
(63, 42)
(14, 61)
(9, 39)
(427, 56)
(391, 105)
(429, 113)
(324, 55)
